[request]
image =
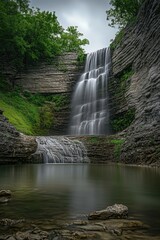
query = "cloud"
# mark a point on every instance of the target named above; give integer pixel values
(77, 20)
(88, 15)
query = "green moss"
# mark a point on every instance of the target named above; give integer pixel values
(93, 140)
(24, 117)
(118, 38)
(117, 147)
(122, 81)
(47, 116)
(32, 114)
(123, 120)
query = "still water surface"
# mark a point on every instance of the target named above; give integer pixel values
(69, 190)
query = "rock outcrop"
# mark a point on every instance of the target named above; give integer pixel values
(111, 229)
(5, 196)
(139, 50)
(114, 212)
(14, 146)
(59, 76)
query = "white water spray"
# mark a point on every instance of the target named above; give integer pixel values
(90, 114)
(61, 150)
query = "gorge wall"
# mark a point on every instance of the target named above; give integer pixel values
(14, 146)
(57, 77)
(138, 56)
(134, 91)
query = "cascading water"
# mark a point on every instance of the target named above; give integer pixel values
(90, 115)
(61, 150)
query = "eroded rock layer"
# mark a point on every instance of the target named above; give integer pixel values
(14, 146)
(56, 77)
(139, 50)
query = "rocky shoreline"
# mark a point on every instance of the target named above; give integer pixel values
(75, 229)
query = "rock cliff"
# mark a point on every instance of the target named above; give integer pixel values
(14, 146)
(139, 52)
(58, 76)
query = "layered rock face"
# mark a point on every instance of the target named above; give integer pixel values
(140, 51)
(56, 77)
(14, 147)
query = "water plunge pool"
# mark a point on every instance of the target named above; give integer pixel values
(62, 191)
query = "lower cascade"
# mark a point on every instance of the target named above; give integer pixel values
(61, 150)
(90, 114)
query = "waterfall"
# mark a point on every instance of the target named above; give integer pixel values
(90, 114)
(61, 150)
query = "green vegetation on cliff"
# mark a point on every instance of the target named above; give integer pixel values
(123, 12)
(32, 114)
(28, 35)
(122, 118)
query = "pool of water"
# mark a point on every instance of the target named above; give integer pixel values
(59, 191)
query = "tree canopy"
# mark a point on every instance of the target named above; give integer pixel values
(28, 35)
(123, 11)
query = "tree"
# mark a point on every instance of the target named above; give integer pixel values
(28, 36)
(123, 12)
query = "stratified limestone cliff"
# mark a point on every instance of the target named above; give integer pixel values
(14, 146)
(59, 76)
(139, 50)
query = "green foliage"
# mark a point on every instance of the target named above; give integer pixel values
(117, 40)
(126, 74)
(123, 121)
(94, 140)
(27, 35)
(46, 116)
(117, 147)
(32, 114)
(121, 82)
(21, 113)
(59, 100)
(123, 12)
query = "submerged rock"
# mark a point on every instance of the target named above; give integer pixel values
(4, 193)
(10, 222)
(5, 196)
(115, 211)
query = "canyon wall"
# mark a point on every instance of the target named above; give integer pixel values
(138, 53)
(14, 146)
(57, 77)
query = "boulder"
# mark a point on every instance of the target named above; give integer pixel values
(5, 196)
(5, 193)
(10, 222)
(114, 212)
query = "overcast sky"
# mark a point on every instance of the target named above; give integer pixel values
(88, 15)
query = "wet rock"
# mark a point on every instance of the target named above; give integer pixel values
(32, 235)
(115, 211)
(5, 196)
(14, 146)
(137, 52)
(5, 193)
(4, 199)
(10, 222)
(11, 238)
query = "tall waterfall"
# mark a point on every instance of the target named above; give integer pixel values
(61, 150)
(90, 115)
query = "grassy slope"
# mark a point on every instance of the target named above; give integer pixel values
(20, 112)
(32, 114)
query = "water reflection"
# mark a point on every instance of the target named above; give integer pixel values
(61, 190)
